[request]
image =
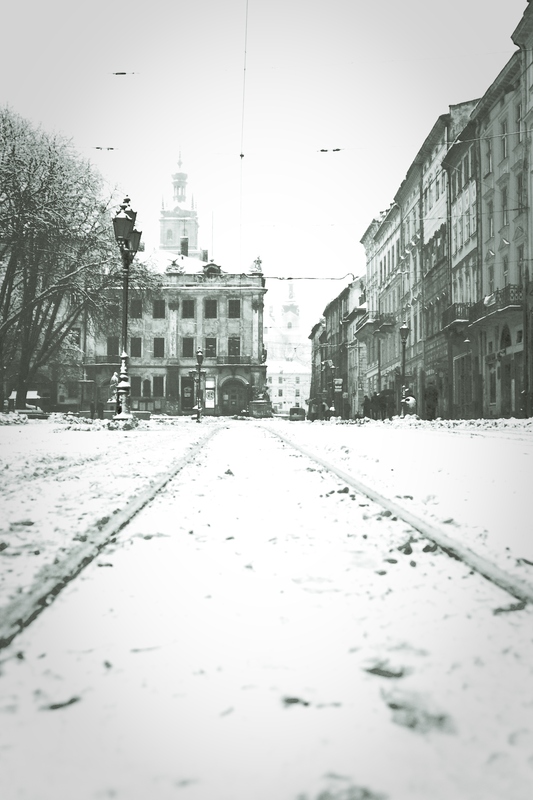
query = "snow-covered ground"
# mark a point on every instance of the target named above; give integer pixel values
(474, 477)
(60, 476)
(262, 681)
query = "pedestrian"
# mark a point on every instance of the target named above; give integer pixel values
(431, 397)
(374, 405)
(382, 405)
(366, 406)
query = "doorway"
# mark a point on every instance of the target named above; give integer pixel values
(234, 397)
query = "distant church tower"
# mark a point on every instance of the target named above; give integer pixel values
(178, 227)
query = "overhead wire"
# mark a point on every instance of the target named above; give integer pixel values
(242, 128)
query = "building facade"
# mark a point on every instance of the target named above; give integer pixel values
(450, 259)
(288, 348)
(197, 306)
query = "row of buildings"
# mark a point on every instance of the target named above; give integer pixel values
(450, 257)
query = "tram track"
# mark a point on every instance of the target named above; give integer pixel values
(261, 600)
(21, 611)
(517, 588)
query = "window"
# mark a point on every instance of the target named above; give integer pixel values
(518, 121)
(297, 379)
(504, 139)
(72, 389)
(234, 346)
(135, 347)
(135, 381)
(187, 347)
(505, 206)
(491, 279)
(136, 309)
(159, 309)
(147, 388)
(187, 309)
(210, 309)
(488, 154)
(169, 235)
(280, 379)
(270, 379)
(159, 348)
(280, 392)
(297, 393)
(112, 345)
(466, 168)
(210, 349)
(520, 191)
(505, 271)
(159, 385)
(234, 309)
(490, 218)
(520, 264)
(75, 336)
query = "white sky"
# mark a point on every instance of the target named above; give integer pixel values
(368, 77)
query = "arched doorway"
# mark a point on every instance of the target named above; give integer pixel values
(234, 397)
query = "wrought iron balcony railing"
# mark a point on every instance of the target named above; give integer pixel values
(508, 297)
(455, 314)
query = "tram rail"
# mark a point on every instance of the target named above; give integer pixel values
(19, 613)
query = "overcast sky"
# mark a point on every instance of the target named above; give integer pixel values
(370, 78)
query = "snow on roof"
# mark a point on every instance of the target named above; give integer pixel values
(30, 395)
(162, 260)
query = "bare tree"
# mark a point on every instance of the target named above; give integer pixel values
(59, 262)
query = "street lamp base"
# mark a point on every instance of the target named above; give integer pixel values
(124, 415)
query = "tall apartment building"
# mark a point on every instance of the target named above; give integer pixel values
(450, 257)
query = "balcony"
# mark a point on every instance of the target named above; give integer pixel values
(386, 322)
(366, 325)
(112, 361)
(456, 314)
(246, 360)
(509, 297)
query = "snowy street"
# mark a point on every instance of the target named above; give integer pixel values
(260, 630)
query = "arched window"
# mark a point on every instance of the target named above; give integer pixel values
(170, 235)
(505, 340)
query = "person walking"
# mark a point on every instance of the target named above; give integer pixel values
(431, 397)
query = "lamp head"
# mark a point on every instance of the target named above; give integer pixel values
(199, 356)
(124, 221)
(404, 332)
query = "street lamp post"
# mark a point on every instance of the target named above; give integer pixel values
(200, 372)
(128, 239)
(404, 333)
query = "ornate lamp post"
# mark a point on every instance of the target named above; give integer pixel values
(404, 333)
(200, 372)
(128, 240)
